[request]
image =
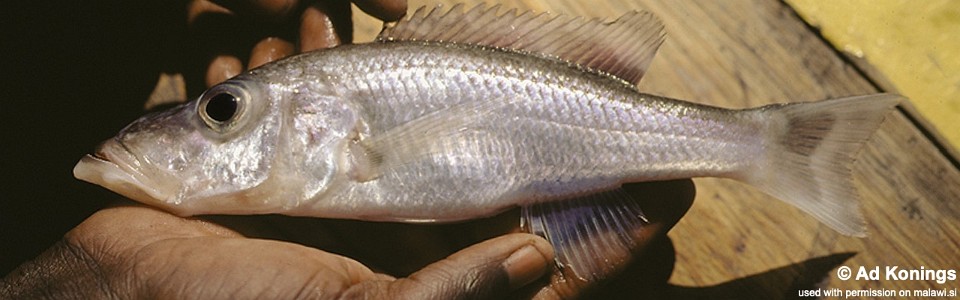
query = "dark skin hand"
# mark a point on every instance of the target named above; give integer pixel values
(227, 29)
(133, 251)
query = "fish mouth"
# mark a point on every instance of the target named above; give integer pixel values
(114, 167)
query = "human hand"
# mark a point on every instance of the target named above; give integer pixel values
(132, 251)
(277, 28)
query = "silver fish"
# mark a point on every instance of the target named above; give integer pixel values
(453, 115)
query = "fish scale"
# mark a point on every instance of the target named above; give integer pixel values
(542, 114)
(583, 112)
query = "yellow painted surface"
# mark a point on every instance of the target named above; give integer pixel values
(915, 44)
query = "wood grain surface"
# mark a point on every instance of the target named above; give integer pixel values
(739, 242)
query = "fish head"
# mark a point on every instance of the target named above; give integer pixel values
(206, 156)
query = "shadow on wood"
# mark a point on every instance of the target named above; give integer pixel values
(779, 283)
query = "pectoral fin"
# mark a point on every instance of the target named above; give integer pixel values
(592, 235)
(419, 138)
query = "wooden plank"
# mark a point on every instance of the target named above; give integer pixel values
(753, 52)
(769, 55)
(917, 44)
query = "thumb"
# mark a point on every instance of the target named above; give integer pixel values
(490, 269)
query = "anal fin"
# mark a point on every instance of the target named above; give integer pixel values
(592, 235)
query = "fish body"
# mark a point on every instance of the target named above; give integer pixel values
(427, 126)
(506, 130)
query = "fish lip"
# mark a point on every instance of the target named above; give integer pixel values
(99, 155)
(114, 167)
(125, 159)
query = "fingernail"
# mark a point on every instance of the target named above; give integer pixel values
(524, 266)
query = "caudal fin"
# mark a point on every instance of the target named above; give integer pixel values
(809, 152)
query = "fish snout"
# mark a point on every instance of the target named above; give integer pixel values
(114, 151)
(116, 168)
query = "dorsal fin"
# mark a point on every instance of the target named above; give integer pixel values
(623, 48)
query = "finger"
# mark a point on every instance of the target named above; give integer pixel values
(267, 10)
(325, 24)
(463, 234)
(663, 202)
(269, 49)
(646, 278)
(395, 248)
(220, 44)
(284, 270)
(386, 10)
(197, 8)
(488, 270)
(221, 68)
(141, 252)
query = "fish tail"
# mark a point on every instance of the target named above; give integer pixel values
(809, 151)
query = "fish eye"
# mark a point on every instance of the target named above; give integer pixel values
(221, 106)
